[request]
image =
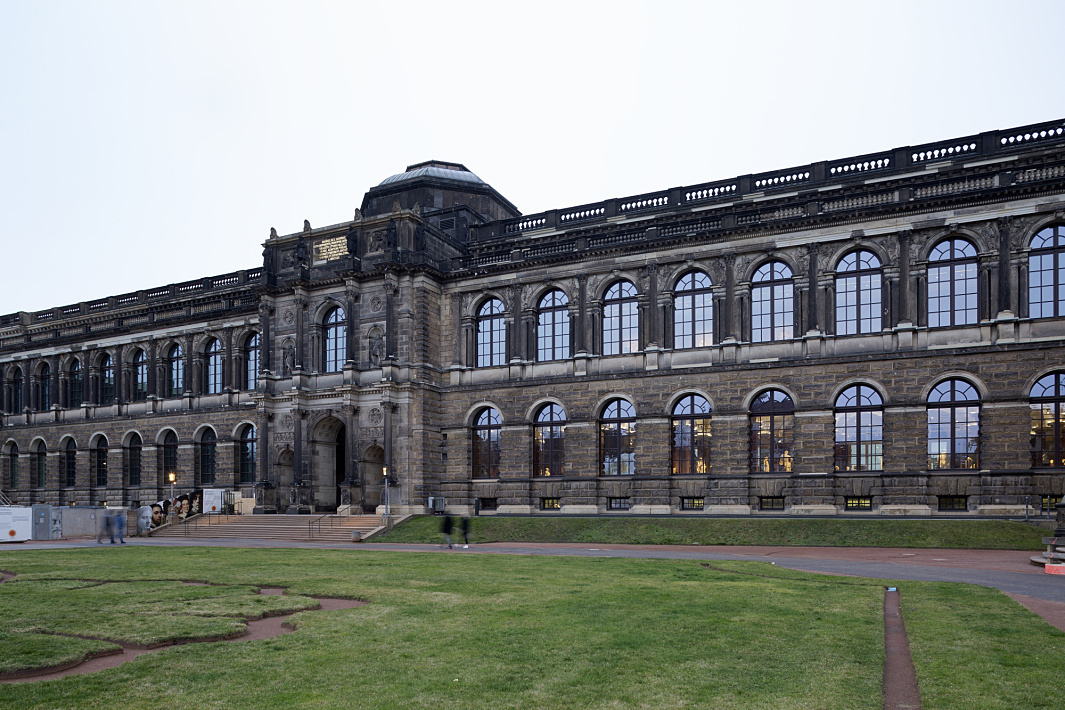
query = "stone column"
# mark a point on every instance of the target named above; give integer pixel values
(301, 316)
(457, 330)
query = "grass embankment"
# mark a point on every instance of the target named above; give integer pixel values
(488, 631)
(962, 534)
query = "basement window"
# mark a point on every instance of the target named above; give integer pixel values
(953, 503)
(771, 503)
(550, 504)
(691, 503)
(619, 503)
(858, 503)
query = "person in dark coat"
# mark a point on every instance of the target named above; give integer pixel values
(445, 527)
(465, 532)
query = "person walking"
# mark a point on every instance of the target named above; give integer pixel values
(445, 528)
(465, 532)
(117, 523)
(104, 527)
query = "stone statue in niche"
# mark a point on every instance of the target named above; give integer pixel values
(377, 349)
(301, 252)
(390, 234)
(352, 240)
(306, 225)
(419, 237)
(377, 241)
(288, 360)
(268, 259)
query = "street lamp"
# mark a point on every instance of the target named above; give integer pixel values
(172, 477)
(384, 473)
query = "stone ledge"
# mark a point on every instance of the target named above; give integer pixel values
(905, 510)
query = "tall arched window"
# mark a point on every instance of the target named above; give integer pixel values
(772, 303)
(336, 335)
(859, 430)
(212, 365)
(70, 464)
(617, 439)
(772, 427)
(552, 330)
(486, 443)
(140, 377)
(248, 443)
(251, 362)
(549, 439)
(75, 384)
(40, 465)
(693, 312)
(44, 385)
(133, 460)
(107, 380)
(953, 426)
(621, 320)
(952, 284)
(170, 455)
(858, 304)
(16, 391)
(98, 454)
(491, 334)
(1048, 433)
(175, 371)
(1046, 273)
(691, 436)
(208, 443)
(12, 465)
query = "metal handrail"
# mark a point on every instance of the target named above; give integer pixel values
(318, 521)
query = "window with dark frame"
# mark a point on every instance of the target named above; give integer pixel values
(40, 465)
(858, 301)
(75, 387)
(619, 503)
(552, 329)
(858, 503)
(248, 443)
(133, 460)
(859, 443)
(952, 284)
(690, 443)
(212, 364)
(772, 421)
(107, 380)
(953, 426)
(175, 372)
(621, 320)
(16, 391)
(772, 303)
(1046, 273)
(44, 384)
(12, 465)
(947, 503)
(771, 503)
(692, 503)
(491, 334)
(70, 463)
(208, 442)
(1048, 503)
(549, 441)
(617, 439)
(1047, 416)
(140, 377)
(99, 461)
(486, 433)
(550, 504)
(488, 503)
(335, 337)
(251, 362)
(693, 312)
(170, 455)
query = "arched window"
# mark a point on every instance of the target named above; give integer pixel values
(486, 443)
(491, 334)
(70, 464)
(336, 335)
(208, 443)
(12, 465)
(16, 391)
(40, 465)
(952, 284)
(212, 365)
(75, 384)
(693, 312)
(44, 384)
(247, 450)
(170, 455)
(552, 331)
(953, 426)
(772, 427)
(858, 304)
(617, 439)
(1046, 273)
(107, 380)
(1048, 434)
(98, 454)
(691, 436)
(140, 376)
(549, 441)
(251, 362)
(175, 372)
(859, 430)
(772, 303)
(621, 320)
(133, 460)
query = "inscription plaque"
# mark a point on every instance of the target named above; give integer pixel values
(330, 249)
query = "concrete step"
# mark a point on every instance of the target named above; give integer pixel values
(274, 527)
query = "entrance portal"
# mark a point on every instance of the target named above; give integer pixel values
(329, 462)
(373, 462)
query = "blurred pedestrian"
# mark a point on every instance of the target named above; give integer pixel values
(446, 527)
(465, 532)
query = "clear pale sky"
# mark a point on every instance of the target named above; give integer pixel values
(145, 143)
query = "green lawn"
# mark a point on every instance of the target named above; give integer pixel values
(470, 631)
(966, 534)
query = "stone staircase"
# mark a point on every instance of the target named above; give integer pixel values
(315, 528)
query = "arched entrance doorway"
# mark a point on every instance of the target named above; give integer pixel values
(373, 461)
(329, 463)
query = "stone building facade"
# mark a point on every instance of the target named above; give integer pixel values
(883, 334)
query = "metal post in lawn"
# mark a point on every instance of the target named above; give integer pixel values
(384, 474)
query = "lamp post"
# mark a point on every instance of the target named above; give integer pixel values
(384, 473)
(172, 477)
